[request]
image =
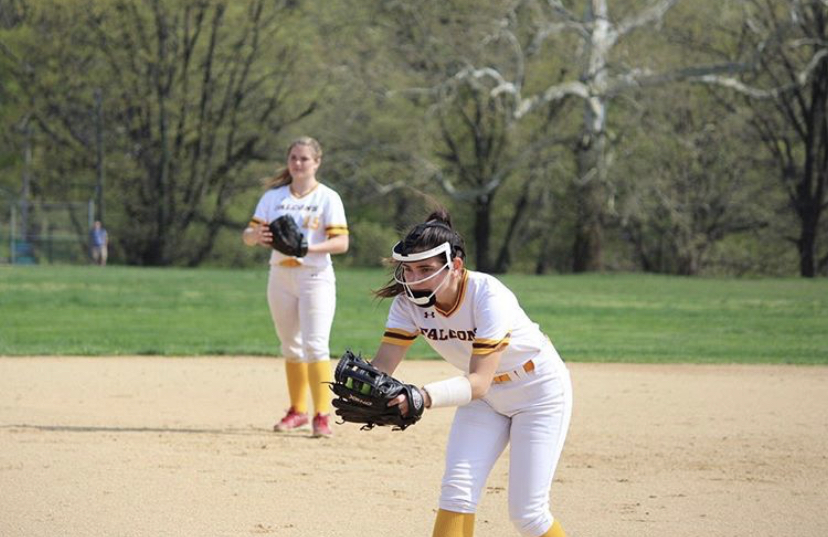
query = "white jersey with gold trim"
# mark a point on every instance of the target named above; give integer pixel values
(319, 213)
(485, 318)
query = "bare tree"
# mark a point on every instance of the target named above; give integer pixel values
(598, 83)
(192, 92)
(792, 119)
(213, 94)
(470, 148)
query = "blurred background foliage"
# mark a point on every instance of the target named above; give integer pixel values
(681, 137)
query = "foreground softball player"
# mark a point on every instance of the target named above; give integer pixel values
(301, 291)
(514, 388)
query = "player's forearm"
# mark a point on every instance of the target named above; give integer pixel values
(481, 372)
(335, 245)
(480, 384)
(388, 357)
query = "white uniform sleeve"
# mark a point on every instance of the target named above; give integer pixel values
(335, 222)
(262, 213)
(400, 328)
(493, 308)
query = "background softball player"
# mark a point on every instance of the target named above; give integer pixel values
(514, 387)
(301, 292)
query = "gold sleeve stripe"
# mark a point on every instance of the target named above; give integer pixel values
(400, 334)
(488, 346)
(400, 338)
(397, 341)
(479, 346)
(482, 352)
(255, 222)
(336, 230)
(492, 342)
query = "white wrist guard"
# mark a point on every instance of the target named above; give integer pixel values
(455, 391)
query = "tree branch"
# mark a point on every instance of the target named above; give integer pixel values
(652, 13)
(554, 93)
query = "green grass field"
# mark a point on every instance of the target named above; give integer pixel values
(71, 310)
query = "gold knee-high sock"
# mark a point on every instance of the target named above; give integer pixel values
(451, 524)
(318, 374)
(555, 531)
(297, 381)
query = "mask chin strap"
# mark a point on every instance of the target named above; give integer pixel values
(410, 294)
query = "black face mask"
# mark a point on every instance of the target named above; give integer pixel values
(423, 293)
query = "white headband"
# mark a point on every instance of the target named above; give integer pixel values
(444, 248)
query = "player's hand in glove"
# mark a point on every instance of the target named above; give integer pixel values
(287, 237)
(363, 393)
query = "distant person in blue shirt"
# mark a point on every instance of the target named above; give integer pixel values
(99, 240)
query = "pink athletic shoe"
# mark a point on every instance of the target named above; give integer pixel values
(321, 427)
(292, 421)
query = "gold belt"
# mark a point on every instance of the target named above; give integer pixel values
(290, 262)
(528, 366)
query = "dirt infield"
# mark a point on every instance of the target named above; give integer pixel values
(182, 446)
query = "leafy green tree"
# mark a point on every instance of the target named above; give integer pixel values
(688, 181)
(12, 12)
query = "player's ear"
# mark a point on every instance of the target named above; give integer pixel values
(457, 263)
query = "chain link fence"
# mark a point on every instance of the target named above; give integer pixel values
(46, 232)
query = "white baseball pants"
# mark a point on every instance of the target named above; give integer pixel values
(532, 412)
(302, 303)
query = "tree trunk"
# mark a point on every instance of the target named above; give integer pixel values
(586, 249)
(592, 165)
(482, 232)
(512, 240)
(806, 244)
(589, 197)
